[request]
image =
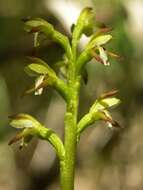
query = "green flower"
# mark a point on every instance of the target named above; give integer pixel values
(99, 111)
(28, 125)
(97, 51)
(102, 104)
(43, 73)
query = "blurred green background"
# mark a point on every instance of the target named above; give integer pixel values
(107, 159)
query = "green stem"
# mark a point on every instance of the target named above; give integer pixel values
(68, 168)
(62, 88)
(83, 58)
(74, 48)
(54, 140)
(83, 124)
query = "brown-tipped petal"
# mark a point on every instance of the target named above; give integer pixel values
(104, 30)
(18, 137)
(107, 118)
(109, 94)
(97, 57)
(112, 122)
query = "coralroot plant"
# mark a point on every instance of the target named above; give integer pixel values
(68, 86)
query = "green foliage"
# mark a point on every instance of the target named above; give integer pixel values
(72, 67)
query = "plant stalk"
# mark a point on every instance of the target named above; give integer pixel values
(68, 165)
